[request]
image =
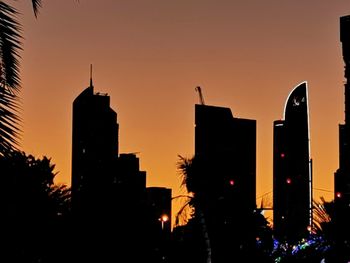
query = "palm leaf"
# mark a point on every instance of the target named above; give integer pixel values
(186, 210)
(36, 6)
(185, 168)
(10, 45)
(9, 121)
(321, 216)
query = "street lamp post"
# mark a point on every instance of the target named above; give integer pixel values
(164, 218)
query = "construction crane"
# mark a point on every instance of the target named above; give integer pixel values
(201, 99)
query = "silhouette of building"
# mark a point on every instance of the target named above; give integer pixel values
(108, 190)
(229, 143)
(342, 175)
(158, 220)
(292, 178)
(225, 149)
(130, 182)
(94, 150)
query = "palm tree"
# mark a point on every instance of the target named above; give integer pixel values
(10, 47)
(190, 173)
(323, 213)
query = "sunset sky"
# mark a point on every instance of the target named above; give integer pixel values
(149, 55)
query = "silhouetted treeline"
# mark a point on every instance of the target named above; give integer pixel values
(34, 210)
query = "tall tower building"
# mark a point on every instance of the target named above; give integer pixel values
(229, 144)
(225, 150)
(94, 150)
(342, 175)
(292, 178)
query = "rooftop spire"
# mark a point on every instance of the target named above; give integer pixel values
(91, 85)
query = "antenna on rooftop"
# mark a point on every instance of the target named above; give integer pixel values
(91, 85)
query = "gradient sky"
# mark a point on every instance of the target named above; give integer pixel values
(150, 55)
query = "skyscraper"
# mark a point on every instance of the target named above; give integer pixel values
(94, 150)
(229, 145)
(225, 150)
(108, 191)
(342, 175)
(292, 179)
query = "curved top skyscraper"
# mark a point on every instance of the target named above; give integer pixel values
(292, 179)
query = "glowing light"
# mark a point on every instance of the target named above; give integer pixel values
(289, 181)
(282, 155)
(232, 182)
(309, 228)
(164, 218)
(338, 194)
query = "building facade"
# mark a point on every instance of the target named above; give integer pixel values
(225, 154)
(94, 150)
(292, 177)
(108, 189)
(342, 175)
(229, 146)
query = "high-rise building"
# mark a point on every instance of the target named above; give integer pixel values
(94, 150)
(342, 175)
(229, 146)
(225, 151)
(108, 190)
(292, 178)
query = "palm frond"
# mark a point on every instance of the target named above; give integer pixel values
(185, 168)
(36, 6)
(9, 121)
(10, 46)
(185, 212)
(320, 214)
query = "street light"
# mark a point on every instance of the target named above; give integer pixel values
(164, 218)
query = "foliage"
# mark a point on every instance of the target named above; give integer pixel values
(10, 47)
(34, 209)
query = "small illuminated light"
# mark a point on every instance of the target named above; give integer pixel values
(309, 228)
(232, 182)
(289, 181)
(338, 194)
(165, 218)
(282, 155)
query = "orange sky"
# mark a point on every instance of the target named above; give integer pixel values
(150, 55)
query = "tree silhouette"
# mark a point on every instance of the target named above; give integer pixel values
(34, 210)
(323, 218)
(190, 179)
(334, 233)
(216, 237)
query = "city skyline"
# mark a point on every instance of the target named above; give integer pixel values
(150, 58)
